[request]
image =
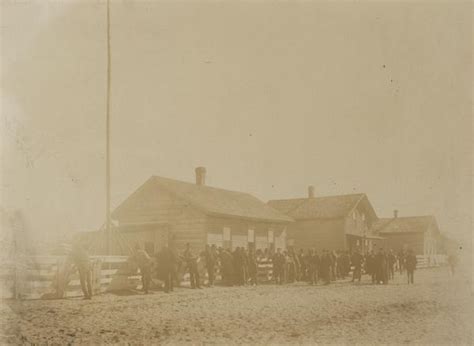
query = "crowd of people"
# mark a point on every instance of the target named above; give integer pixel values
(240, 266)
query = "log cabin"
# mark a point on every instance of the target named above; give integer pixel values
(330, 222)
(418, 233)
(169, 211)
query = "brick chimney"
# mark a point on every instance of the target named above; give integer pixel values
(395, 213)
(311, 191)
(200, 175)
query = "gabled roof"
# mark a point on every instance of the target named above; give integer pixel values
(410, 224)
(322, 207)
(211, 200)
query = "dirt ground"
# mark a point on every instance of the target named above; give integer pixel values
(436, 310)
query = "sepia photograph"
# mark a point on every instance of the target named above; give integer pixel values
(226, 172)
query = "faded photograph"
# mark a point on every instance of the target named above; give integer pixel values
(236, 172)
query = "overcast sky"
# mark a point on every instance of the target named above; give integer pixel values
(270, 97)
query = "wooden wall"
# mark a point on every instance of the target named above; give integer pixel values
(397, 241)
(186, 224)
(355, 224)
(318, 234)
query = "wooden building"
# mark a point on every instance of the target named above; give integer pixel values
(419, 233)
(332, 222)
(169, 211)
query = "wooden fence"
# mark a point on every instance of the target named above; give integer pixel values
(430, 261)
(49, 277)
(43, 277)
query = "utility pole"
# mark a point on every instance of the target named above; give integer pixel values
(107, 146)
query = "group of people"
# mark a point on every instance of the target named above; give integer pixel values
(239, 267)
(329, 266)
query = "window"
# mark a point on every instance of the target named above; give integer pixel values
(215, 239)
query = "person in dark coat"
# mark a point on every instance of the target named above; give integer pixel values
(381, 267)
(296, 264)
(316, 265)
(371, 266)
(245, 265)
(391, 260)
(191, 263)
(401, 261)
(252, 268)
(278, 262)
(210, 257)
(227, 267)
(310, 266)
(238, 260)
(166, 262)
(143, 261)
(357, 260)
(81, 260)
(303, 266)
(410, 266)
(325, 266)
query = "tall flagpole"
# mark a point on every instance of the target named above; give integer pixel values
(107, 150)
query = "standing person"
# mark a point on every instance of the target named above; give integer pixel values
(391, 264)
(278, 261)
(345, 263)
(325, 266)
(401, 261)
(143, 261)
(252, 268)
(357, 260)
(238, 267)
(245, 265)
(371, 266)
(227, 267)
(80, 258)
(310, 266)
(297, 265)
(381, 267)
(290, 268)
(191, 263)
(303, 266)
(316, 264)
(166, 261)
(210, 256)
(452, 261)
(410, 266)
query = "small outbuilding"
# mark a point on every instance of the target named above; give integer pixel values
(418, 233)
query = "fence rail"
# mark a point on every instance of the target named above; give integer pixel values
(43, 277)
